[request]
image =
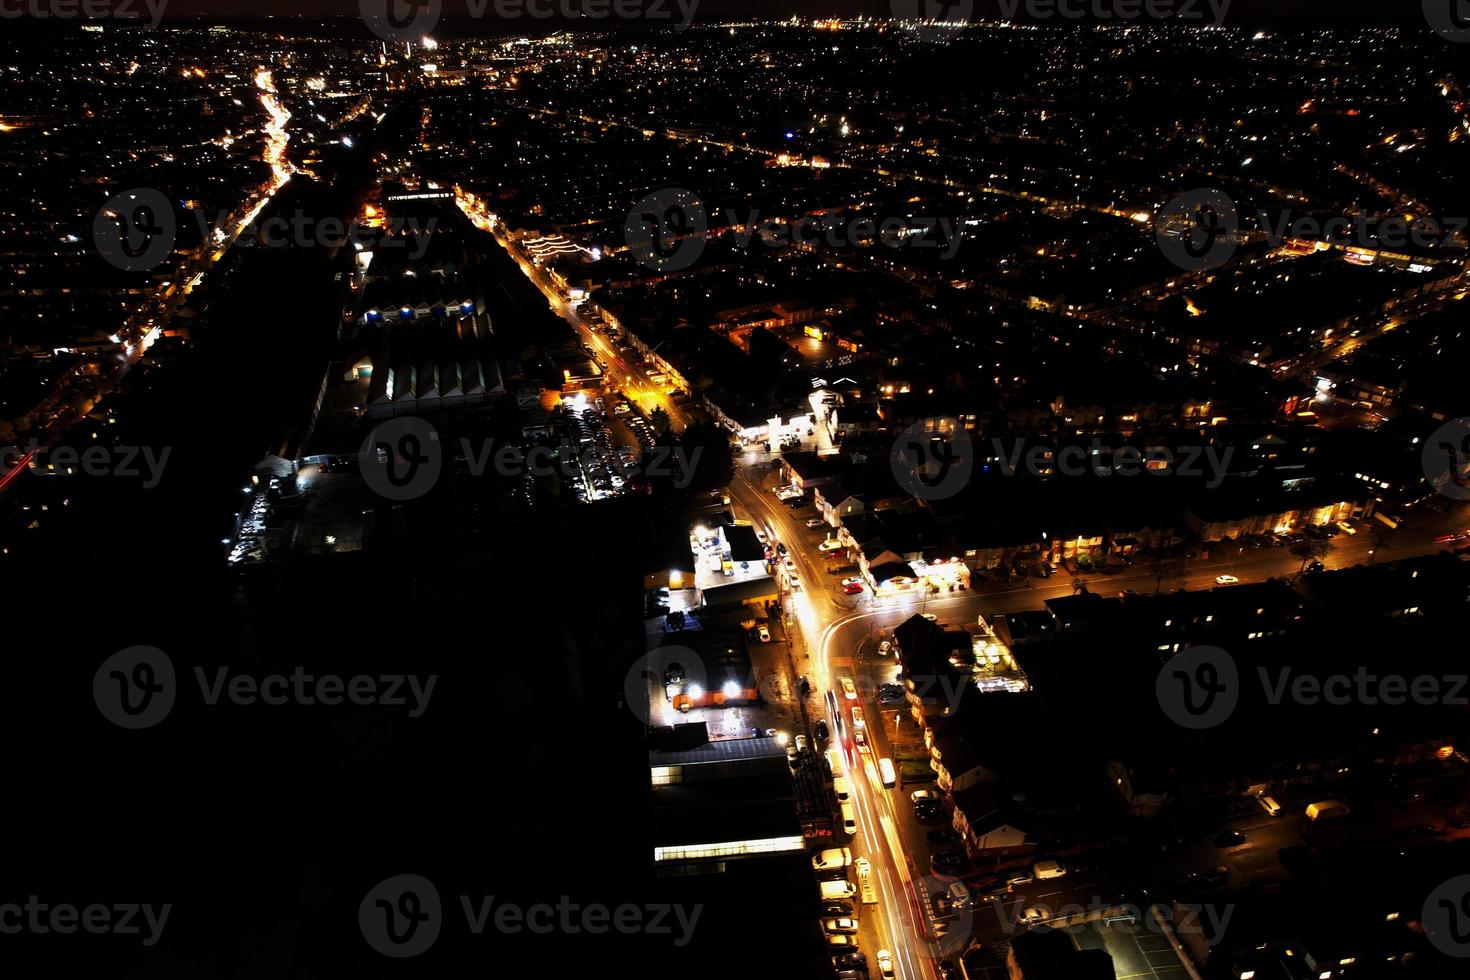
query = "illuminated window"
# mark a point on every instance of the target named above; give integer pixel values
(690, 852)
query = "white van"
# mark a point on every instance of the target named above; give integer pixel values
(839, 786)
(835, 890)
(886, 773)
(1270, 805)
(849, 819)
(1327, 810)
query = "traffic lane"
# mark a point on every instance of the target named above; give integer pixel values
(895, 928)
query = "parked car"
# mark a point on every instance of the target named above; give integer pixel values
(832, 858)
(953, 863)
(1229, 838)
(850, 961)
(821, 728)
(841, 942)
(836, 907)
(942, 836)
(816, 522)
(840, 926)
(852, 589)
(831, 544)
(764, 633)
(884, 648)
(929, 811)
(923, 794)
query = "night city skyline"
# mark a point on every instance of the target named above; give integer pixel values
(644, 487)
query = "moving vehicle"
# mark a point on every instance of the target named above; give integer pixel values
(848, 690)
(884, 648)
(1347, 528)
(1229, 838)
(1226, 580)
(834, 761)
(849, 819)
(1327, 810)
(860, 739)
(839, 787)
(886, 775)
(832, 858)
(1034, 915)
(958, 895)
(1269, 804)
(1045, 870)
(852, 589)
(764, 633)
(885, 964)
